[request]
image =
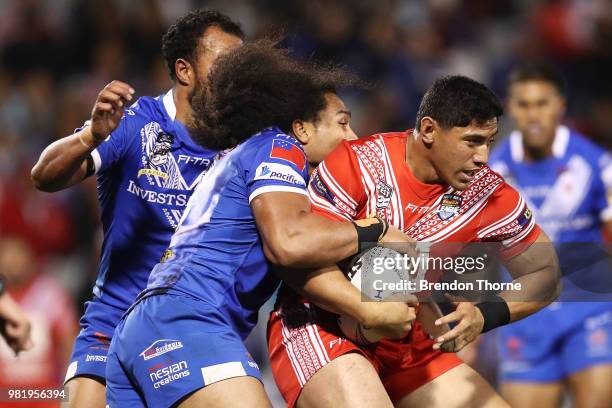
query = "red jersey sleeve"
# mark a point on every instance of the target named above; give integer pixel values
(508, 220)
(335, 189)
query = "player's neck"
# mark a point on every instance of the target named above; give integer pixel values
(417, 162)
(183, 107)
(537, 153)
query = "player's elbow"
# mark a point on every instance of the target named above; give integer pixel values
(38, 179)
(288, 253)
(41, 180)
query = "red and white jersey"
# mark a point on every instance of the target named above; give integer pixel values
(370, 176)
(49, 308)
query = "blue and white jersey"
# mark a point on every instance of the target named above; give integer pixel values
(146, 170)
(216, 255)
(570, 193)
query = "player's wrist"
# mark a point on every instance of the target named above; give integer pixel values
(370, 231)
(495, 313)
(88, 139)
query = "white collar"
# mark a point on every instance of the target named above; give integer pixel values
(559, 147)
(168, 101)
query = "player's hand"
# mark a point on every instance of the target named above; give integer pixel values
(108, 110)
(15, 326)
(469, 326)
(393, 320)
(397, 240)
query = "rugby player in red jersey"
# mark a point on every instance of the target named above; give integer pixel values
(404, 177)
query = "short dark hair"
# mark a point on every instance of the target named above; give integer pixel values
(457, 101)
(538, 71)
(181, 39)
(259, 85)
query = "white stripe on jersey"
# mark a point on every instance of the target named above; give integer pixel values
(322, 203)
(272, 189)
(504, 221)
(510, 241)
(396, 202)
(369, 185)
(335, 187)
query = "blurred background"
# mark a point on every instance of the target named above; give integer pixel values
(55, 56)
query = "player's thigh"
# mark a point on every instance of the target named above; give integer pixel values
(234, 392)
(84, 392)
(532, 395)
(347, 381)
(592, 388)
(459, 387)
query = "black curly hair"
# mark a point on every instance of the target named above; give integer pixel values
(457, 101)
(259, 85)
(182, 38)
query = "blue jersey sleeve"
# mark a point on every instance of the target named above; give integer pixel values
(111, 150)
(278, 164)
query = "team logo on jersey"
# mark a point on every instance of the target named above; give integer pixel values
(160, 347)
(158, 164)
(449, 206)
(285, 150)
(383, 196)
(158, 157)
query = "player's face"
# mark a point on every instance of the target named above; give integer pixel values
(459, 152)
(537, 107)
(332, 127)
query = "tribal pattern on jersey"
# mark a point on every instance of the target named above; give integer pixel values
(369, 176)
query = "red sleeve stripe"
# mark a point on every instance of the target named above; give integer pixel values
(504, 221)
(335, 187)
(516, 239)
(324, 205)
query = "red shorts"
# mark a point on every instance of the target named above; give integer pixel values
(296, 354)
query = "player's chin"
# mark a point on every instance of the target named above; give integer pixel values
(459, 184)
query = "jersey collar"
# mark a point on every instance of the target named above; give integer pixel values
(559, 147)
(169, 105)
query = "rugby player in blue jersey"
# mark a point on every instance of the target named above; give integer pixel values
(182, 342)
(147, 166)
(567, 181)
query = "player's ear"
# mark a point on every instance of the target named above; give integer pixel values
(428, 129)
(184, 71)
(300, 131)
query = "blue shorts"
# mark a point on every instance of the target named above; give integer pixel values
(555, 343)
(90, 349)
(169, 346)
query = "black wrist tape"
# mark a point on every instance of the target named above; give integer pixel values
(91, 166)
(495, 313)
(368, 236)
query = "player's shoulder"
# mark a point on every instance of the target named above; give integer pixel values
(580, 144)
(149, 108)
(386, 137)
(268, 137)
